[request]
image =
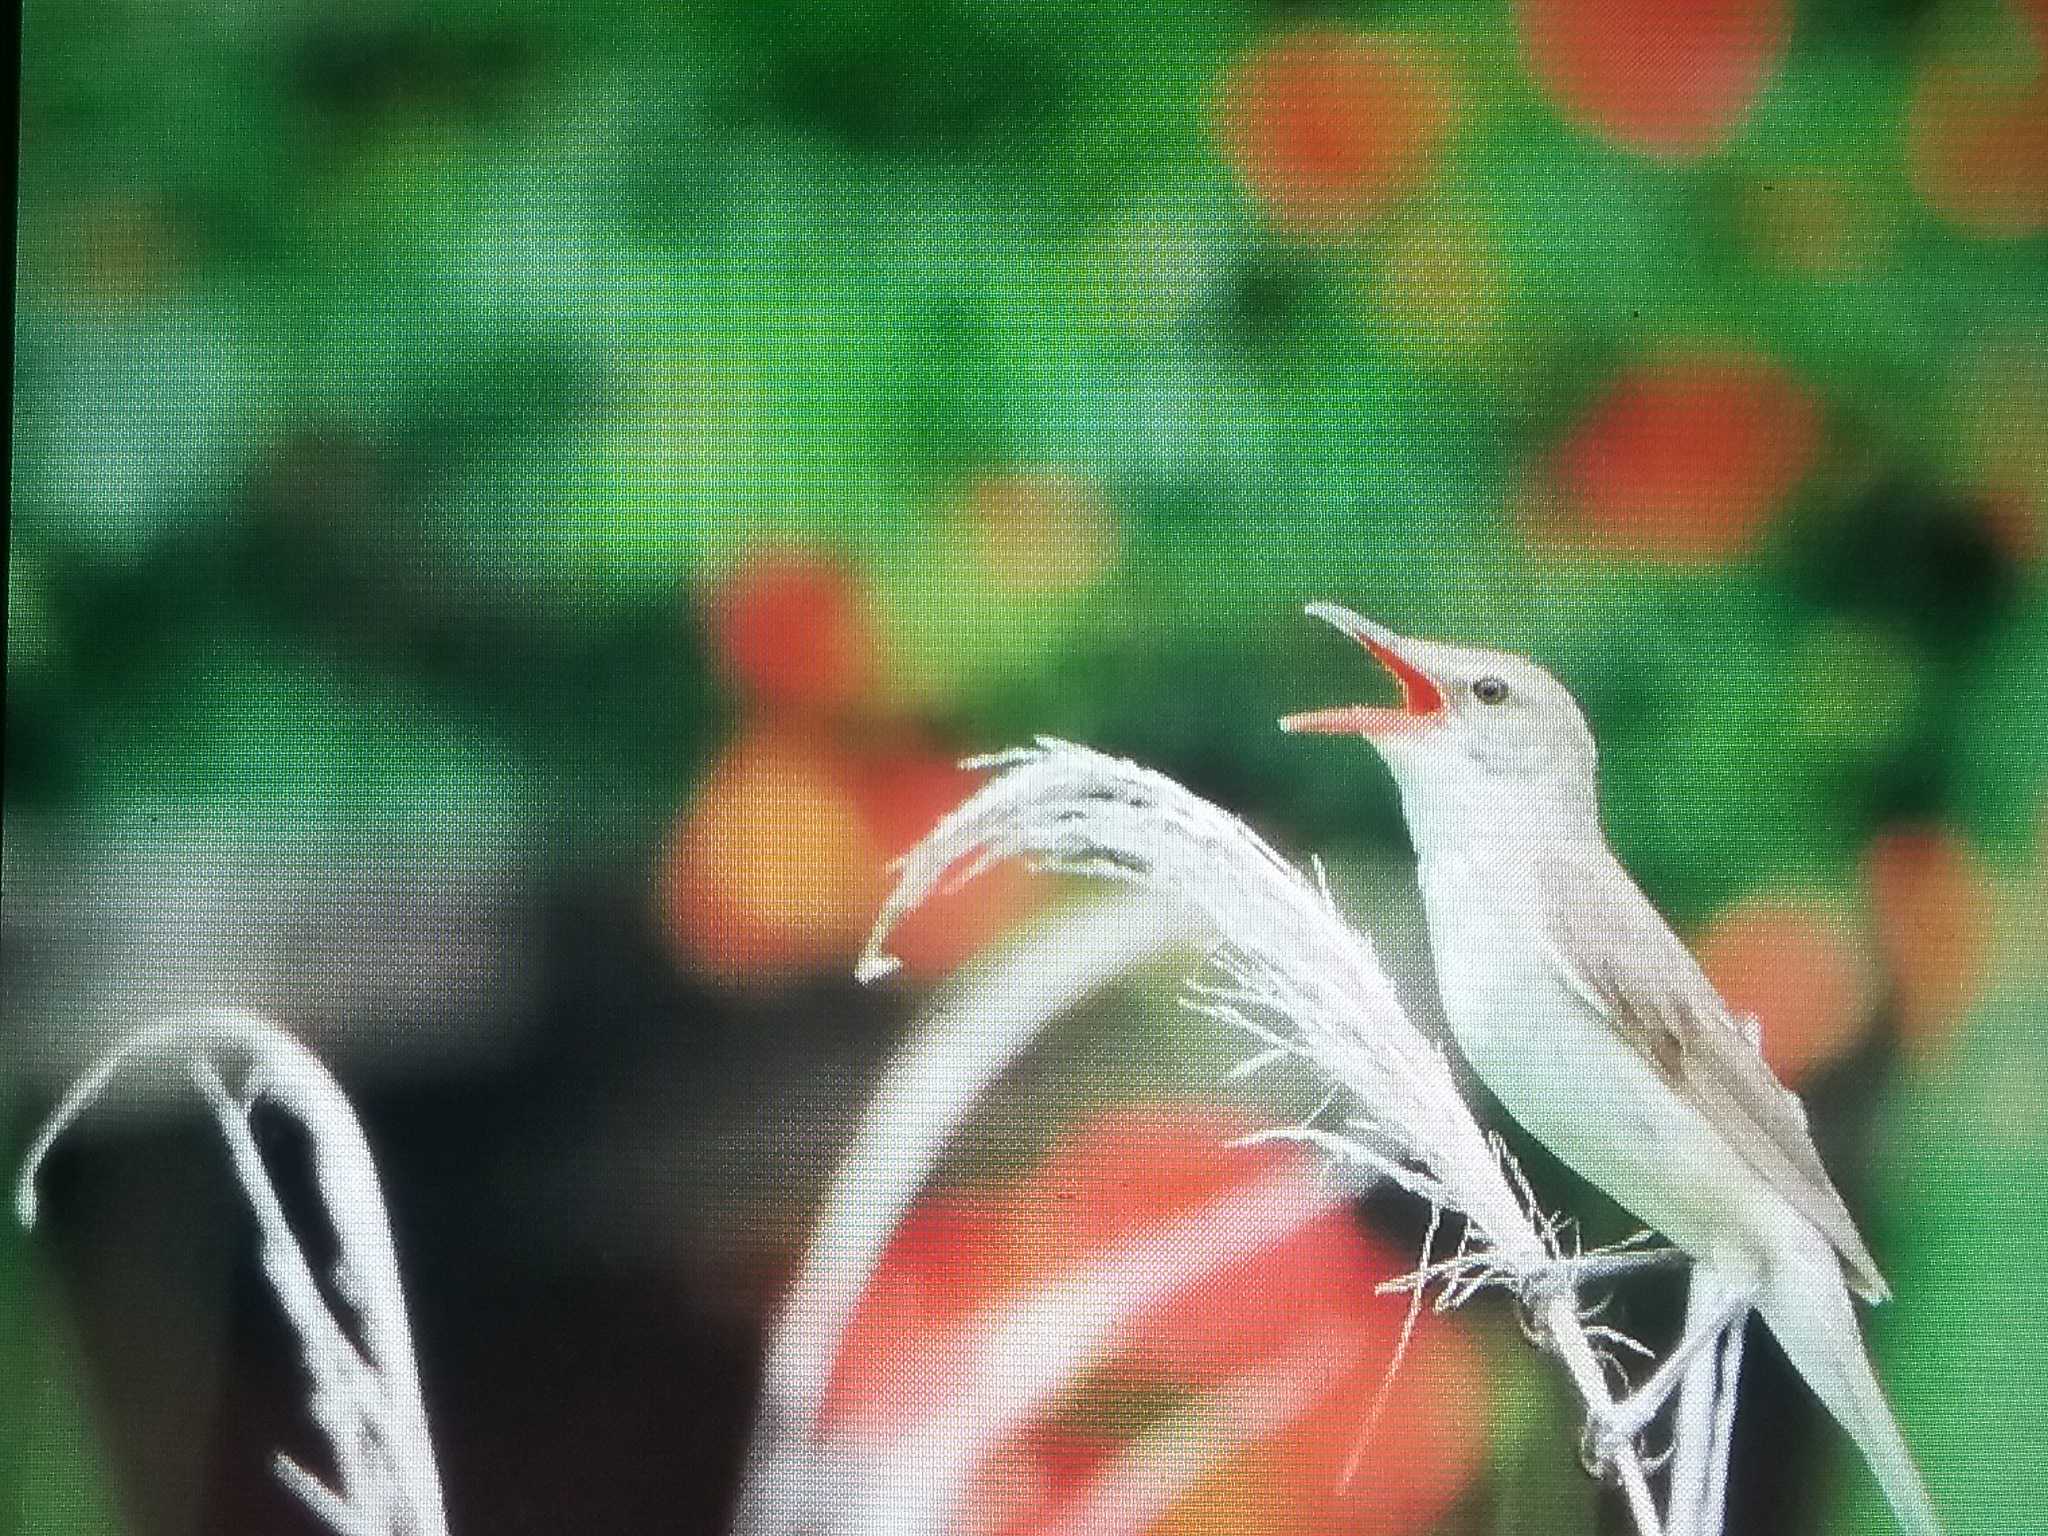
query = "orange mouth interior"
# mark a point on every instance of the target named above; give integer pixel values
(1420, 698)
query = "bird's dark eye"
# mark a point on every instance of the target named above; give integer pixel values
(1489, 690)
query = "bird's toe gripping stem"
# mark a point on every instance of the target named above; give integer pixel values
(1611, 1429)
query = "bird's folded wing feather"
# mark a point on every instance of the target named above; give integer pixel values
(1618, 954)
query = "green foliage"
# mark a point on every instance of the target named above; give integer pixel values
(592, 307)
(1963, 1161)
(396, 385)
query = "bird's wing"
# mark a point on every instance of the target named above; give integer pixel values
(1618, 954)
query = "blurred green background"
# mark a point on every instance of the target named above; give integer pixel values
(517, 510)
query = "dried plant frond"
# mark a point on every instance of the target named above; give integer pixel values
(365, 1392)
(1303, 982)
(1293, 972)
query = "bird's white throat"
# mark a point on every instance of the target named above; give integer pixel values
(1451, 802)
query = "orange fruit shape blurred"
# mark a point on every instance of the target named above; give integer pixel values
(1798, 969)
(1686, 456)
(1664, 77)
(779, 863)
(1933, 908)
(792, 629)
(1977, 148)
(1325, 126)
(772, 870)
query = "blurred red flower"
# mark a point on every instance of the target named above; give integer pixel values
(780, 861)
(1933, 908)
(1797, 968)
(1326, 126)
(792, 629)
(1666, 77)
(1688, 454)
(1977, 146)
(1143, 1166)
(1266, 1358)
(949, 1257)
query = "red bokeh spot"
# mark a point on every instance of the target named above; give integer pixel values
(780, 862)
(1143, 1167)
(1666, 77)
(793, 630)
(1932, 905)
(948, 1259)
(1303, 1311)
(1977, 148)
(1146, 1166)
(1326, 126)
(1688, 455)
(1797, 968)
(1428, 1442)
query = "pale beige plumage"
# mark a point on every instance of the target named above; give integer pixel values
(1594, 1026)
(1618, 954)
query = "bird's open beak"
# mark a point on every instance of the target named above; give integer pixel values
(1420, 697)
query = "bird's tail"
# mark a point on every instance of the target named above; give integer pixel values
(1807, 1306)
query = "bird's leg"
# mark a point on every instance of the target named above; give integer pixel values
(1616, 1426)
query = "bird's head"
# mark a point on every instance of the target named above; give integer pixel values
(1474, 729)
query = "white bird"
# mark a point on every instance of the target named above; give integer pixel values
(1589, 1020)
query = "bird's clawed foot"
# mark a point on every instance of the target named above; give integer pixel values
(1610, 1429)
(1607, 1435)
